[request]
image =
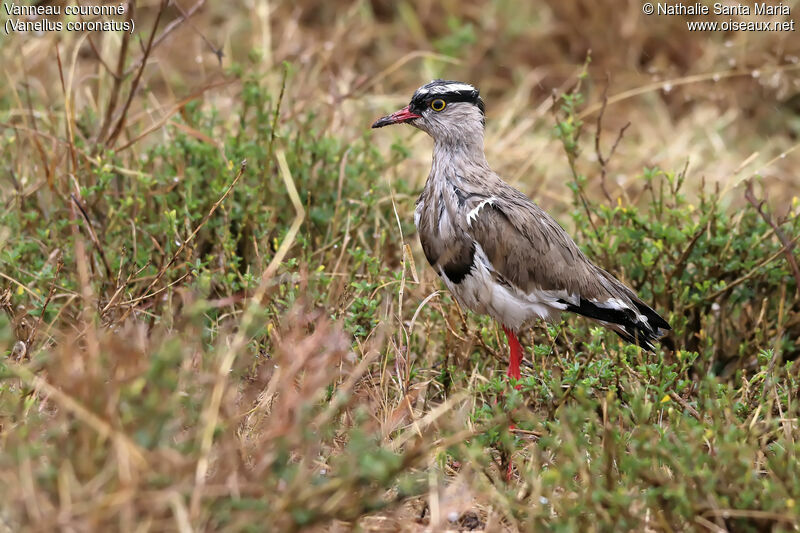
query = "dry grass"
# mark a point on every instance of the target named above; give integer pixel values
(198, 344)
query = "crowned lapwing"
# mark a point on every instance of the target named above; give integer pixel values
(497, 251)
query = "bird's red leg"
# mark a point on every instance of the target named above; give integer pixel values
(516, 355)
(514, 361)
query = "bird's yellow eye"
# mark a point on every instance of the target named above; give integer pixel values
(438, 104)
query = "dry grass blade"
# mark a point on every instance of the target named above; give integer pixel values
(226, 361)
(21, 286)
(299, 216)
(427, 420)
(394, 67)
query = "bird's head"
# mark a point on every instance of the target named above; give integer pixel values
(445, 110)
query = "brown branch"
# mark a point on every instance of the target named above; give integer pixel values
(119, 75)
(214, 50)
(788, 244)
(686, 406)
(93, 237)
(135, 84)
(604, 160)
(98, 56)
(276, 114)
(170, 27)
(121, 287)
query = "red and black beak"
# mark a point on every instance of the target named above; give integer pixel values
(398, 117)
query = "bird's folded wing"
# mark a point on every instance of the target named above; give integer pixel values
(529, 250)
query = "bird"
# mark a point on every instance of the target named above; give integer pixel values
(497, 252)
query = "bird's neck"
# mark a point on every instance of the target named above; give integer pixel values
(463, 156)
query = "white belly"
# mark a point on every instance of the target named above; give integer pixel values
(480, 292)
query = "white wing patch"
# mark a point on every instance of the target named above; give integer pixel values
(611, 303)
(474, 211)
(616, 303)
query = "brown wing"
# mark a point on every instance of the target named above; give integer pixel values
(531, 250)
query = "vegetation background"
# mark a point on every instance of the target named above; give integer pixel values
(194, 343)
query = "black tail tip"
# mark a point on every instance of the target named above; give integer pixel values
(644, 338)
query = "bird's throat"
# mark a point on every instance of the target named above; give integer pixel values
(464, 153)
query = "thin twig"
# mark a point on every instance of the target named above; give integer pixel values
(685, 405)
(135, 84)
(118, 77)
(99, 57)
(277, 113)
(164, 268)
(788, 245)
(168, 29)
(121, 287)
(93, 237)
(20, 285)
(214, 50)
(604, 160)
(155, 292)
(32, 335)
